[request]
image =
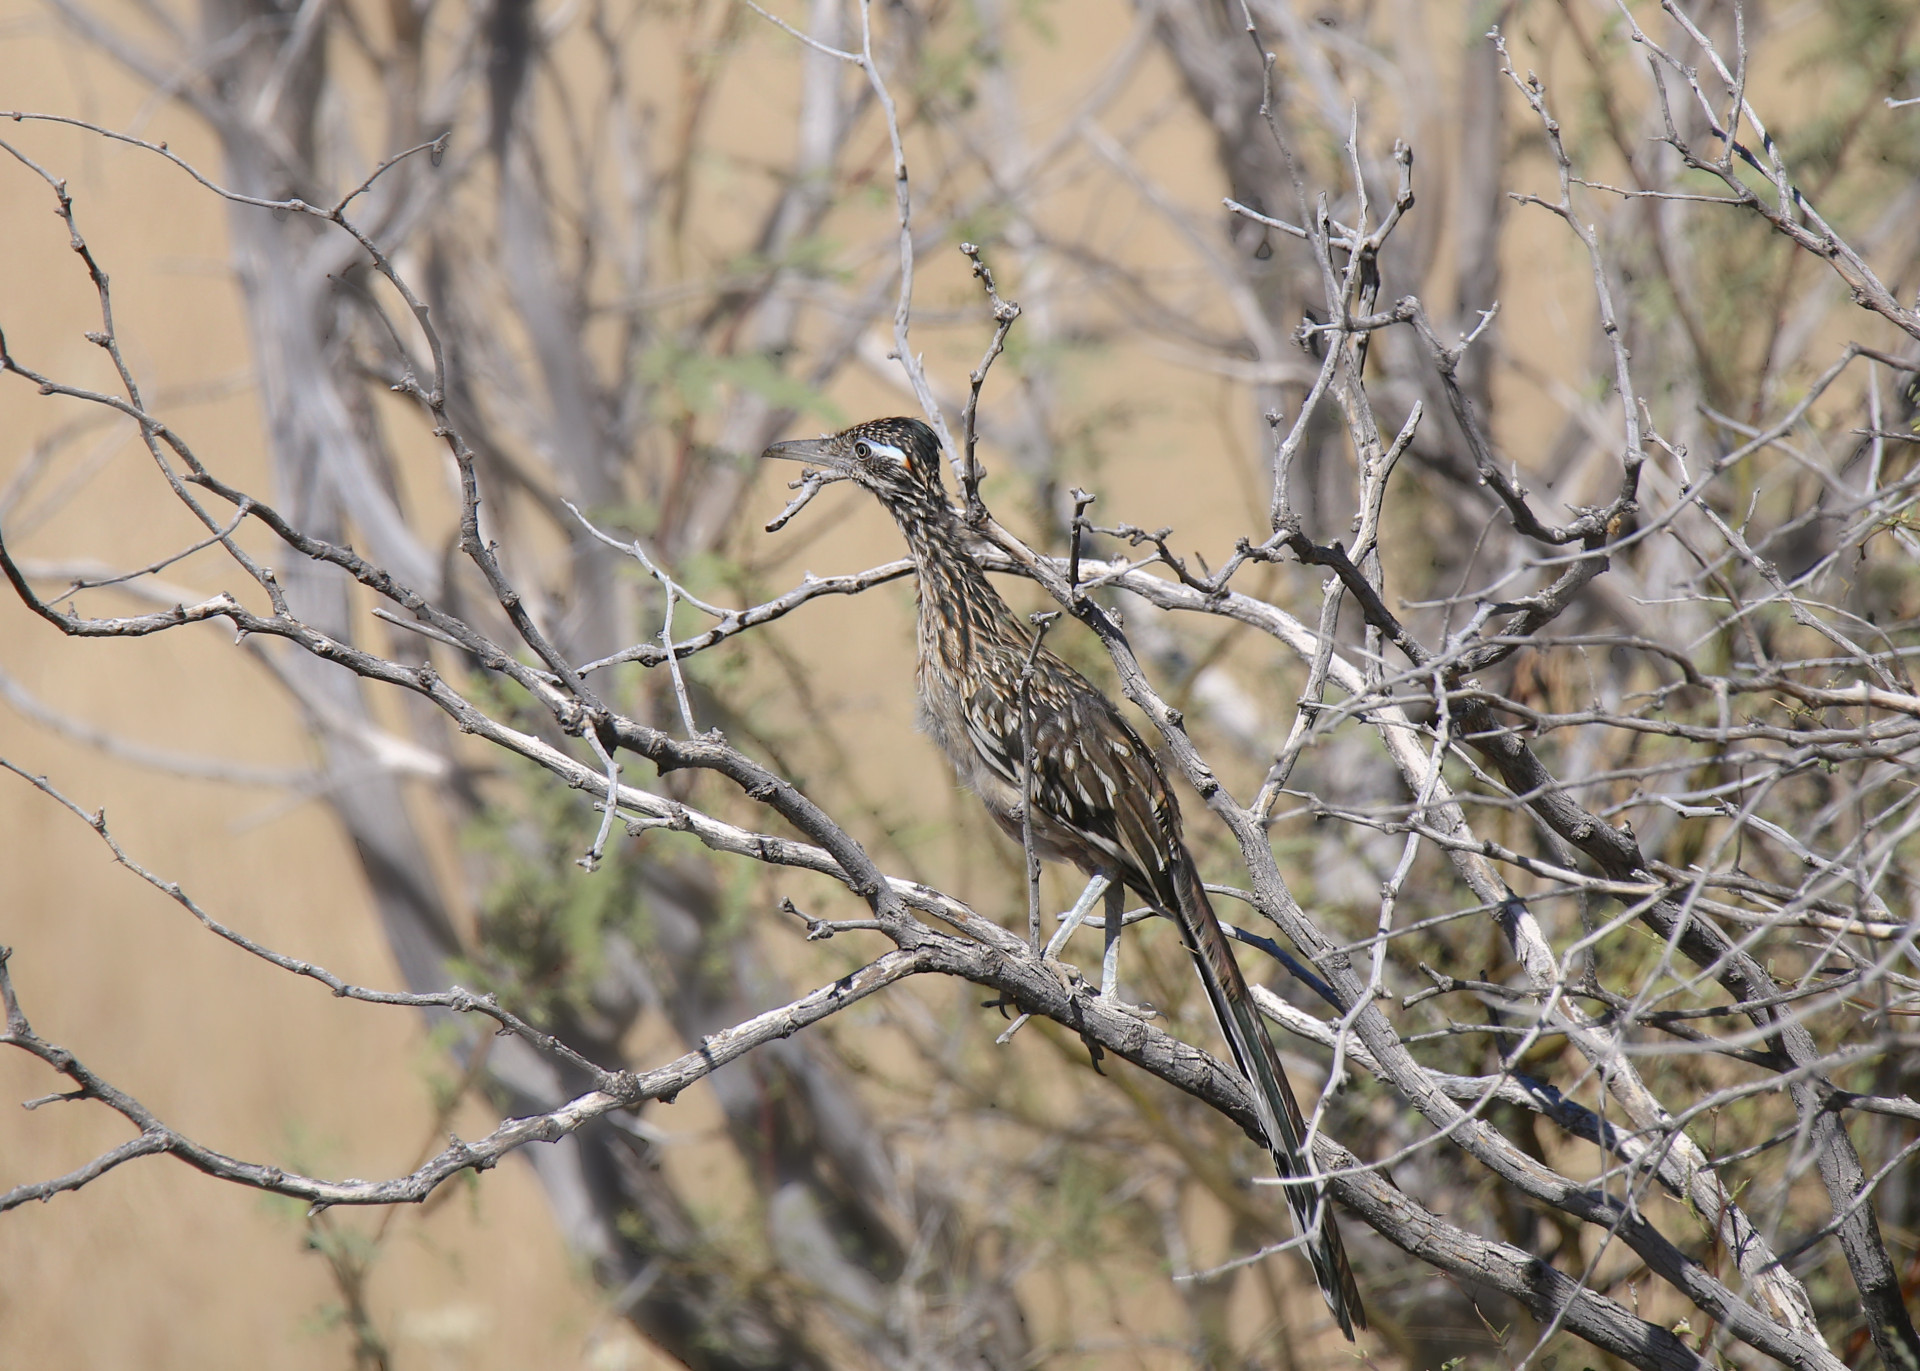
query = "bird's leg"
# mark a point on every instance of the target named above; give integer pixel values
(1069, 921)
(1076, 916)
(1111, 920)
(1110, 957)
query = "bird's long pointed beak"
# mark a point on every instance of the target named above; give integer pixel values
(812, 451)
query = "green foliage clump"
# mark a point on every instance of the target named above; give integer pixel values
(544, 920)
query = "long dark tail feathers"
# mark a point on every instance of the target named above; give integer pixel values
(1280, 1117)
(1286, 1140)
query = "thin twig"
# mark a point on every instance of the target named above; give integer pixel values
(1041, 623)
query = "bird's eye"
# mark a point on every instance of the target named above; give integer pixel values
(862, 451)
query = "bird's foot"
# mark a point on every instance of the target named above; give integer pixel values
(1067, 974)
(1142, 1011)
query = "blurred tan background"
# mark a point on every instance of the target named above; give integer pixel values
(155, 1265)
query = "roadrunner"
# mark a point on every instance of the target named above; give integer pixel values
(1100, 800)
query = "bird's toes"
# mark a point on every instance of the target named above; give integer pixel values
(1142, 1010)
(1068, 975)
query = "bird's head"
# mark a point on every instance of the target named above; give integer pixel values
(896, 459)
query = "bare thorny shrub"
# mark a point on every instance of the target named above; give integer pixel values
(1576, 775)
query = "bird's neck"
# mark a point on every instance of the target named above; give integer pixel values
(961, 614)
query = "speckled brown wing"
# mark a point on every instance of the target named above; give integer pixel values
(1093, 778)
